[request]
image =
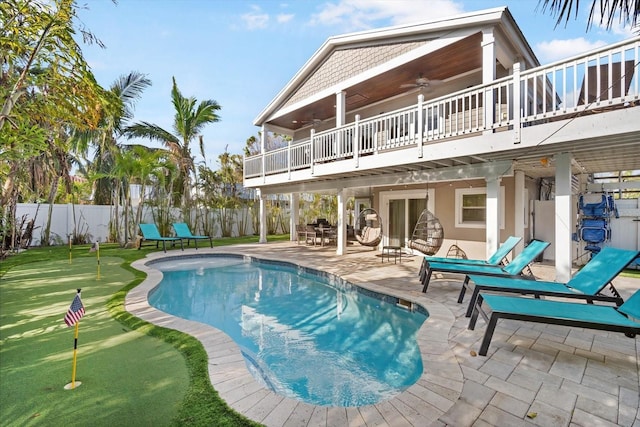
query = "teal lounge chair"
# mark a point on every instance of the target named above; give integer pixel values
(182, 231)
(151, 233)
(514, 268)
(588, 283)
(496, 259)
(589, 316)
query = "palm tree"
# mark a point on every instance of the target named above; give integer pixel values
(189, 120)
(124, 93)
(607, 10)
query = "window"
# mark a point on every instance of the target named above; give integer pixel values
(471, 207)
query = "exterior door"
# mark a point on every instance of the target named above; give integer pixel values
(400, 213)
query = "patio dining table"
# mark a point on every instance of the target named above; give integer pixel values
(328, 233)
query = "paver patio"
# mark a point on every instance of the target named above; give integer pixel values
(534, 374)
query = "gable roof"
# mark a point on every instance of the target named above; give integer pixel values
(345, 60)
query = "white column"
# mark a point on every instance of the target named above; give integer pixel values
(341, 102)
(262, 151)
(421, 121)
(517, 103)
(564, 224)
(263, 217)
(294, 207)
(488, 73)
(493, 215)
(341, 242)
(341, 108)
(520, 210)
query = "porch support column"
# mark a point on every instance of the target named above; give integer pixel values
(341, 105)
(263, 216)
(488, 75)
(263, 137)
(493, 214)
(294, 207)
(341, 102)
(517, 104)
(564, 224)
(341, 243)
(421, 122)
(520, 210)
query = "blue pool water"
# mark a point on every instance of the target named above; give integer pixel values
(305, 335)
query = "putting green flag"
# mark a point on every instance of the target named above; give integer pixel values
(96, 248)
(73, 316)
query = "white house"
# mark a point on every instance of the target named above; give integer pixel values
(458, 108)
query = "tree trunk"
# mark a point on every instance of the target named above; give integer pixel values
(46, 236)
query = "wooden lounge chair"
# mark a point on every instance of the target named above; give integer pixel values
(589, 316)
(588, 283)
(496, 259)
(184, 232)
(514, 268)
(151, 233)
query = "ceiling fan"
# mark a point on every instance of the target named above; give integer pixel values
(304, 122)
(423, 83)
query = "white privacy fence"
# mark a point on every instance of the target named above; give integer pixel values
(93, 221)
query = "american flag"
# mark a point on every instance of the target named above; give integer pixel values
(75, 312)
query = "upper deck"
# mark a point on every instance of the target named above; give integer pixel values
(586, 105)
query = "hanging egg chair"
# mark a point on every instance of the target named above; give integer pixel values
(428, 234)
(368, 228)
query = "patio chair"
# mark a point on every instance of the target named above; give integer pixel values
(588, 283)
(184, 232)
(496, 259)
(589, 316)
(151, 233)
(514, 268)
(311, 235)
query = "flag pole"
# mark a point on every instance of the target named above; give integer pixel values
(73, 383)
(98, 258)
(75, 357)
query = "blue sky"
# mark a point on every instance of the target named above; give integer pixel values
(242, 53)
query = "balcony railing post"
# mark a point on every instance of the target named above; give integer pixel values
(516, 102)
(289, 159)
(356, 141)
(263, 153)
(420, 118)
(312, 144)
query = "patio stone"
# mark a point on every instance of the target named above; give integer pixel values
(553, 396)
(607, 410)
(569, 366)
(545, 415)
(496, 416)
(582, 418)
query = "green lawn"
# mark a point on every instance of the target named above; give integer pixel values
(132, 373)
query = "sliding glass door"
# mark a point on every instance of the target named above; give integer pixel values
(403, 209)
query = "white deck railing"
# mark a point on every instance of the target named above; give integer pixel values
(604, 78)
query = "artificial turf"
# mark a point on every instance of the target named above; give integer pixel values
(132, 373)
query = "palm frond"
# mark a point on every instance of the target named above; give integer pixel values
(150, 131)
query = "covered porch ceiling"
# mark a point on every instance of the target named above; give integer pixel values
(462, 58)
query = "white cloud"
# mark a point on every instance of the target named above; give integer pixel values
(284, 18)
(558, 49)
(256, 19)
(364, 14)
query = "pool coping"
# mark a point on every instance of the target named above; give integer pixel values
(435, 392)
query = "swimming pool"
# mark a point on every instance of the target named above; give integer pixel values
(304, 334)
